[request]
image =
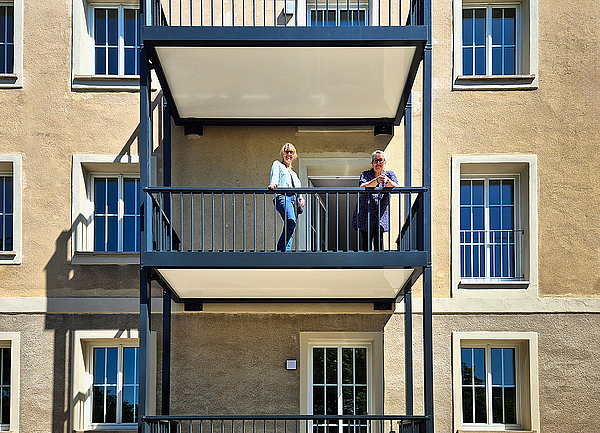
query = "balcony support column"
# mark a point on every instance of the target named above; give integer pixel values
(166, 355)
(408, 324)
(426, 173)
(145, 349)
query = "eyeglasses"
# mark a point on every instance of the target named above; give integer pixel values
(378, 161)
(291, 152)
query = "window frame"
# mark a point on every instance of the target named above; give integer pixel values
(516, 177)
(372, 340)
(526, 67)
(526, 377)
(12, 165)
(82, 380)
(498, 165)
(120, 345)
(82, 207)
(12, 340)
(14, 79)
(91, 238)
(342, 7)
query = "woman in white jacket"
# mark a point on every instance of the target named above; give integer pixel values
(283, 176)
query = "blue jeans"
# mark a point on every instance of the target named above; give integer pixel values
(286, 206)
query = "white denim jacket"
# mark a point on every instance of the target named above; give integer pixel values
(282, 176)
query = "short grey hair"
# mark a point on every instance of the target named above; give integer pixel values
(381, 152)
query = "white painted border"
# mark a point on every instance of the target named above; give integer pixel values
(82, 208)
(15, 80)
(14, 342)
(374, 339)
(501, 293)
(529, 77)
(529, 372)
(80, 377)
(15, 257)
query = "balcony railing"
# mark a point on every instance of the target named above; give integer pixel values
(273, 13)
(246, 219)
(490, 255)
(287, 424)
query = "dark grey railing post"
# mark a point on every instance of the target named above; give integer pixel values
(144, 353)
(166, 355)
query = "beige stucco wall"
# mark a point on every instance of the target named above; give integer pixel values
(46, 122)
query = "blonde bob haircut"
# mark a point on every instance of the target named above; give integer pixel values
(288, 146)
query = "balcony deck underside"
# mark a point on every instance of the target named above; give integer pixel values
(288, 277)
(286, 75)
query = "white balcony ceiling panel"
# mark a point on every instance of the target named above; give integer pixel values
(286, 82)
(286, 283)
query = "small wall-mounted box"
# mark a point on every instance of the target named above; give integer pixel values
(290, 364)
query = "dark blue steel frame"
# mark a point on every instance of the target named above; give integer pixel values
(149, 37)
(162, 36)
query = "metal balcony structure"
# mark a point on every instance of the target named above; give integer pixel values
(290, 63)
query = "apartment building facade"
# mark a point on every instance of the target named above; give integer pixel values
(138, 271)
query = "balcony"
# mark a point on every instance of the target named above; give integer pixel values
(292, 62)
(216, 243)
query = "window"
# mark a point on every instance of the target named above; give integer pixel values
(344, 16)
(342, 374)
(496, 381)
(7, 41)
(11, 43)
(105, 209)
(494, 229)
(115, 384)
(9, 380)
(116, 222)
(116, 44)
(105, 379)
(495, 44)
(489, 40)
(6, 212)
(10, 209)
(489, 228)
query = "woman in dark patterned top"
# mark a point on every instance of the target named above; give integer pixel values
(374, 209)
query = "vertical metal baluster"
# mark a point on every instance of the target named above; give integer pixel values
(180, 13)
(202, 219)
(223, 220)
(191, 13)
(389, 13)
(191, 221)
(264, 222)
(369, 198)
(274, 13)
(348, 222)
(254, 220)
(254, 13)
(379, 223)
(159, 225)
(222, 13)
(171, 221)
(275, 222)
(232, 17)
(390, 222)
(326, 218)
(170, 14)
(212, 226)
(264, 13)
(296, 13)
(243, 222)
(233, 223)
(337, 220)
(181, 220)
(212, 12)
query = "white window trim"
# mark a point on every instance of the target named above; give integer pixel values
(373, 340)
(13, 164)
(83, 73)
(516, 177)
(82, 208)
(527, 55)
(526, 370)
(15, 80)
(526, 165)
(13, 340)
(83, 341)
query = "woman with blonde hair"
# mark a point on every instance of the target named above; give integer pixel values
(289, 204)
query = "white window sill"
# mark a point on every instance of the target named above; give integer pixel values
(107, 429)
(494, 430)
(107, 83)
(100, 258)
(8, 254)
(10, 81)
(495, 82)
(481, 284)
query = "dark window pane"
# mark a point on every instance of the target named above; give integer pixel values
(496, 26)
(467, 27)
(111, 365)
(10, 58)
(130, 196)
(8, 233)
(361, 400)
(509, 366)
(112, 194)
(99, 233)
(479, 366)
(5, 406)
(5, 379)
(509, 61)
(507, 218)
(465, 192)
(100, 26)
(509, 26)
(99, 366)
(480, 406)
(348, 400)
(494, 192)
(508, 187)
(497, 407)
(112, 234)
(131, 61)
(480, 30)
(360, 366)
(496, 355)
(467, 404)
(111, 404)
(331, 365)
(3, 14)
(347, 365)
(478, 192)
(3, 69)
(497, 61)
(465, 218)
(319, 400)
(113, 26)
(130, 365)
(331, 400)
(466, 363)
(129, 404)
(510, 404)
(480, 61)
(130, 234)
(100, 59)
(98, 404)
(100, 195)
(478, 218)
(495, 218)
(130, 36)
(318, 365)
(467, 61)
(113, 61)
